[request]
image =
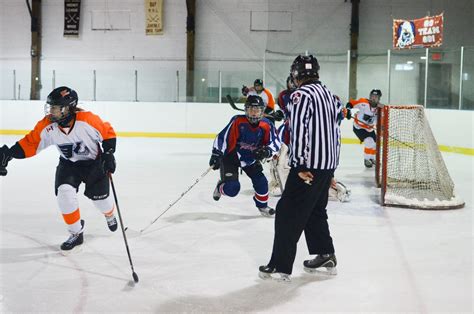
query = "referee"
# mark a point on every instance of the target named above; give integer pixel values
(314, 114)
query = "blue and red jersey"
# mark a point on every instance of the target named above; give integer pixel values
(284, 99)
(284, 132)
(241, 136)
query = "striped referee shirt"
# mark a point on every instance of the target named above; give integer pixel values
(315, 136)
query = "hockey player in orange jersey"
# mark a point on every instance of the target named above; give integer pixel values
(259, 90)
(77, 134)
(364, 112)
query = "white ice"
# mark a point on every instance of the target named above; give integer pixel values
(203, 256)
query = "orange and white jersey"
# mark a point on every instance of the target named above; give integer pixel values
(80, 142)
(266, 96)
(366, 116)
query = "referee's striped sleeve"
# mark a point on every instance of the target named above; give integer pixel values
(301, 129)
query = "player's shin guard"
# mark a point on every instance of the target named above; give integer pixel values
(69, 207)
(369, 151)
(106, 206)
(260, 185)
(261, 200)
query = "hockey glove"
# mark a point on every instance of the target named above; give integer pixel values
(347, 113)
(279, 115)
(5, 157)
(108, 162)
(216, 158)
(245, 90)
(262, 153)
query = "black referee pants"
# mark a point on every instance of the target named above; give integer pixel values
(302, 207)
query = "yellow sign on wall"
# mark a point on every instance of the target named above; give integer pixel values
(154, 17)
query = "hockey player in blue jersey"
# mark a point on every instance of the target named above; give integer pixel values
(244, 142)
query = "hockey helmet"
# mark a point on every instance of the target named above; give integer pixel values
(304, 67)
(374, 97)
(258, 85)
(376, 92)
(254, 108)
(60, 104)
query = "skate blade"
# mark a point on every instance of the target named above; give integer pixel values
(274, 277)
(265, 214)
(328, 271)
(76, 250)
(264, 276)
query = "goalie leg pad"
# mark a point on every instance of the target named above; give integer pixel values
(343, 193)
(339, 192)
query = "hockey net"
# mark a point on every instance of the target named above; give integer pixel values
(410, 169)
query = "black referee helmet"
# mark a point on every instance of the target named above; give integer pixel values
(304, 67)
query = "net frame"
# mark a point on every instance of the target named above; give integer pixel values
(385, 147)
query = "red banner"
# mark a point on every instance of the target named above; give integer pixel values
(419, 33)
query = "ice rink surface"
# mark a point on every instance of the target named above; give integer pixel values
(203, 256)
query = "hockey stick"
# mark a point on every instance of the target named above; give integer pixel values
(266, 115)
(134, 274)
(180, 197)
(232, 103)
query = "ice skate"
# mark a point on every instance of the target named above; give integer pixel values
(111, 222)
(266, 211)
(74, 240)
(323, 264)
(266, 273)
(368, 163)
(217, 193)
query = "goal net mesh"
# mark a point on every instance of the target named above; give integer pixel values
(412, 172)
